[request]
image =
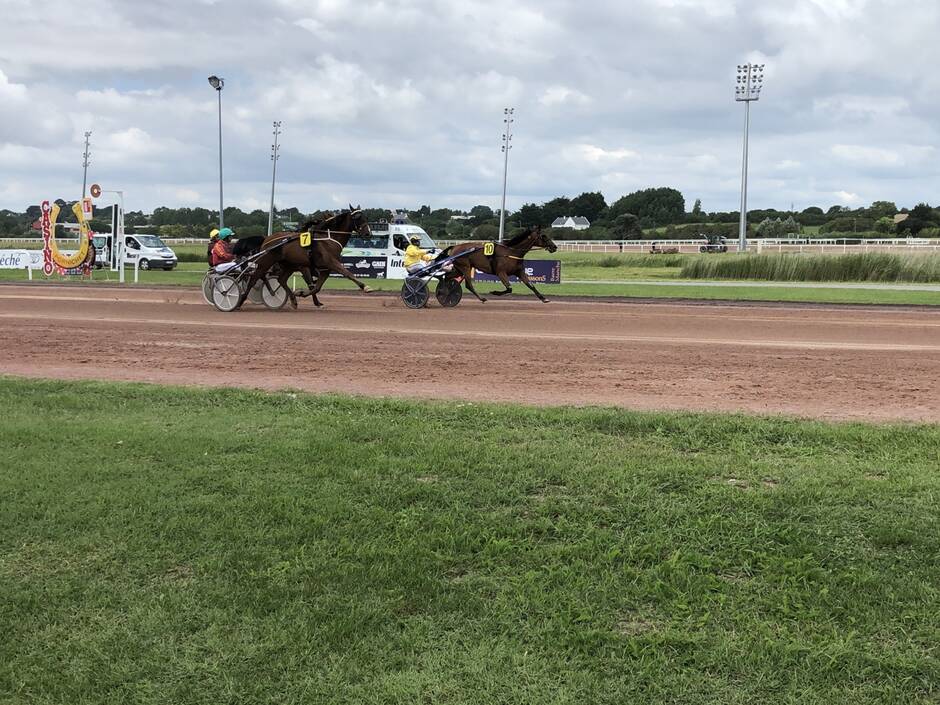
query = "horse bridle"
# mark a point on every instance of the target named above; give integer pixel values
(529, 250)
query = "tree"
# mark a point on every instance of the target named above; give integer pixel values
(885, 225)
(589, 204)
(626, 226)
(485, 232)
(481, 214)
(529, 214)
(881, 209)
(697, 208)
(653, 206)
(558, 207)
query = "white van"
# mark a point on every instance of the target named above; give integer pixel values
(149, 251)
(384, 252)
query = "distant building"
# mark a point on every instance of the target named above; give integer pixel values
(574, 223)
(901, 217)
(461, 217)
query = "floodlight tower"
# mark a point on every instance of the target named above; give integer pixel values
(275, 155)
(218, 84)
(507, 139)
(747, 90)
(85, 159)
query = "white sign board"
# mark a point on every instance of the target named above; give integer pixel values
(18, 259)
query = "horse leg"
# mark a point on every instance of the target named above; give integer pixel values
(335, 265)
(316, 286)
(504, 278)
(468, 281)
(524, 278)
(308, 278)
(282, 280)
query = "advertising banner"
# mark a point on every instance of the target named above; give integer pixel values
(540, 271)
(16, 259)
(366, 267)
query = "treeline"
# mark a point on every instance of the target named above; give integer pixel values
(647, 213)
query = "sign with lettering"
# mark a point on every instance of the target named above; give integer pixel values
(539, 271)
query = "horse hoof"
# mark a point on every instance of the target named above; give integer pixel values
(482, 301)
(367, 290)
(293, 304)
(544, 301)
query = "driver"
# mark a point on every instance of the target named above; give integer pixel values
(222, 249)
(213, 236)
(415, 257)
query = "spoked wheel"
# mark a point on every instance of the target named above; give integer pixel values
(273, 295)
(207, 282)
(225, 293)
(448, 293)
(414, 292)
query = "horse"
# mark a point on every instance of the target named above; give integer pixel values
(507, 260)
(316, 247)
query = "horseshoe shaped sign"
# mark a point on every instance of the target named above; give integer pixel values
(53, 259)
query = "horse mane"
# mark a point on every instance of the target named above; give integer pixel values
(519, 238)
(314, 222)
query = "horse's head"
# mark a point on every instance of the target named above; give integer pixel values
(543, 240)
(358, 222)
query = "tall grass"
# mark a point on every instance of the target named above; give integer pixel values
(867, 267)
(627, 260)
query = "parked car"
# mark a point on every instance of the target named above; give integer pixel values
(149, 251)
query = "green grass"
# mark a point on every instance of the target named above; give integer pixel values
(862, 267)
(164, 545)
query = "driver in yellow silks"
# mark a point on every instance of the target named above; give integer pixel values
(415, 257)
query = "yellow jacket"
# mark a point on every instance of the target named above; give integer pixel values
(414, 255)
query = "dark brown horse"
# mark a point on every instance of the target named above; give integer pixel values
(315, 248)
(507, 260)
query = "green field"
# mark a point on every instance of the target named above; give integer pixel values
(161, 545)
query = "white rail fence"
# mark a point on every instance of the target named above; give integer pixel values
(797, 245)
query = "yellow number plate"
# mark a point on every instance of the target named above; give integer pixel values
(489, 248)
(305, 239)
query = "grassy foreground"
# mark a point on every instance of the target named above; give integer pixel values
(165, 545)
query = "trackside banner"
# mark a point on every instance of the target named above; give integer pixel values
(16, 259)
(540, 271)
(370, 267)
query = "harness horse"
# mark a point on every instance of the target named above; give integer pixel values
(502, 260)
(314, 252)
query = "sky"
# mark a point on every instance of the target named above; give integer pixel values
(399, 103)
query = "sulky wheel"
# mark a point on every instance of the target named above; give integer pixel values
(256, 296)
(273, 295)
(226, 293)
(207, 283)
(414, 292)
(448, 293)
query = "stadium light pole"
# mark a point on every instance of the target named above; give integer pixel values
(507, 145)
(85, 157)
(275, 155)
(218, 84)
(747, 90)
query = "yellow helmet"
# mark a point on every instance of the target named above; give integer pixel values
(213, 233)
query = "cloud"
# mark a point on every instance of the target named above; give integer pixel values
(399, 102)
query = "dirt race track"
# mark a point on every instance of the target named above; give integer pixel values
(826, 362)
